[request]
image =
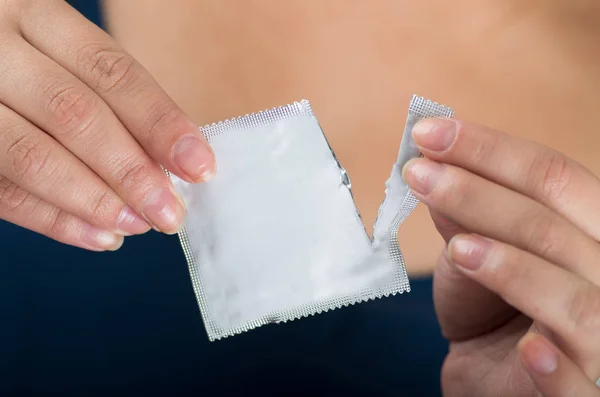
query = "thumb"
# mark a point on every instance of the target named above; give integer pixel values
(465, 308)
(445, 227)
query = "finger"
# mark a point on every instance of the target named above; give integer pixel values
(553, 373)
(475, 310)
(558, 299)
(40, 165)
(87, 52)
(465, 308)
(532, 169)
(486, 208)
(72, 113)
(445, 226)
(22, 208)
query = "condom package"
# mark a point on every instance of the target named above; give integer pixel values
(275, 235)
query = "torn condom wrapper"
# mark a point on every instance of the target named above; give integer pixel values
(276, 236)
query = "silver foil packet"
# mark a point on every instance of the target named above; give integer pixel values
(276, 236)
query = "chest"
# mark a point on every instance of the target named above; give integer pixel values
(527, 67)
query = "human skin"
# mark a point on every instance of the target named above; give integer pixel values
(526, 67)
(517, 289)
(84, 130)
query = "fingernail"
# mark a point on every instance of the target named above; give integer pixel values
(129, 222)
(538, 356)
(468, 252)
(164, 210)
(422, 175)
(195, 157)
(101, 239)
(434, 134)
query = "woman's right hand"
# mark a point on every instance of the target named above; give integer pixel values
(84, 130)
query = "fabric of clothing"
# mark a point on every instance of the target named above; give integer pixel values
(77, 323)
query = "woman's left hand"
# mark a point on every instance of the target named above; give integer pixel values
(517, 290)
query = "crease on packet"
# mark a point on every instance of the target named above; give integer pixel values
(393, 211)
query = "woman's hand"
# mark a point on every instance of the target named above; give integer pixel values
(83, 129)
(517, 291)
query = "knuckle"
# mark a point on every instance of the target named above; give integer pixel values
(549, 176)
(102, 207)
(29, 159)
(107, 69)
(507, 277)
(584, 310)
(454, 190)
(542, 235)
(132, 175)
(483, 147)
(58, 224)
(72, 110)
(11, 196)
(164, 116)
(4, 183)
